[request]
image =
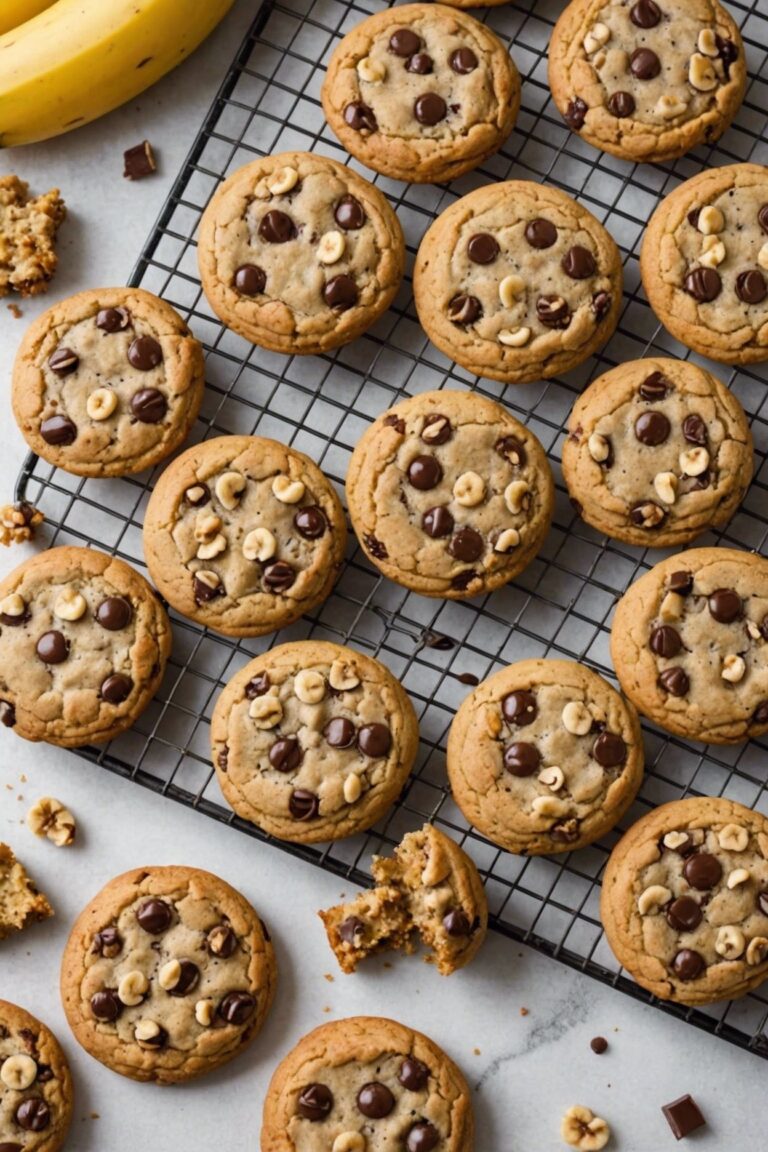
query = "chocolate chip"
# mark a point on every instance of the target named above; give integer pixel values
(221, 941)
(310, 522)
(108, 942)
(759, 716)
(609, 750)
(687, 964)
(694, 429)
(63, 362)
(279, 577)
(553, 311)
(430, 109)
(304, 805)
(645, 14)
(467, 545)
(575, 114)
(374, 740)
(285, 755)
(375, 1100)
(462, 580)
(463, 60)
(159, 1040)
(340, 732)
(8, 714)
(482, 248)
(44, 1076)
(395, 422)
(114, 613)
(349, 214)
(520, 708)
(145, 353)
(675, 681)
(149, 406)
(116, 688)
(644, 64)
(250, 280)
(703, 871)
(16, 621)
(725, 605)
(621, 104)
(762, 217)
(598, 1044)
(205, 592)
(681, 582)
(464, 309)
(512, 450)
(403, 42)
(647, 514)
(655, 387)
(578, 263)
(360, 117)
(437, 522)
(58, 431)
(315, 1102)
(422, 64)
(684, 914)
(652, 428)
(154, 916)
(683, 849)
(113, 319)
(540, 233)
(237, 1007)
(139, 161)
(10, 1147)
(188, 979)
(105, 1005)
(277, 227)
(704, 284)
(683, 1116)
(352, 931)
(53, 647)
(665, 641)
(33, 1114)
(422, 1137)
(457, 923)
(751, 287)
(521, 759)
(425, 472)
(340, 293)
(375, 546)
(762, 902)
(601, 304)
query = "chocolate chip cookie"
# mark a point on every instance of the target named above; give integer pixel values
(430, 889)
(516, 281)
(704, 263)
(421, 93)
(450, 495)
(657, 451)
(244, 534)
(685, 900)
(647, 80)
(83, 645)
(299, 254)
(545, 757)
(313, 741)
(689, 642)
(367, 1083)
(168, 973)
(107, 382)
(36, 1092)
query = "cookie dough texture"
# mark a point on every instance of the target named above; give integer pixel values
(36, 1093)
(313, 741)
(168, 973)
(84, 641)
(685, 900)
(657, 452)
(21, 904)
(647, 80)
(704, 263)
(299, 254)
(243, 535)
(544, 756)
(421, 93)
(689, 642)
(316, 1093)
(28, 227)
(517, 282)
(449, 495)
(107, 382)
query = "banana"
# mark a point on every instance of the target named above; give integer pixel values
(79, 59)
(15, 12)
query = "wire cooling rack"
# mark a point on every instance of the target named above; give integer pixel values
(560, 606)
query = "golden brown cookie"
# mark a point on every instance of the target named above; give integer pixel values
(21, 904)
(168, 973)
(28, 227)
(36, 1093)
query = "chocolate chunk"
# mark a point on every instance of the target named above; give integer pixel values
(16, 621)
(6, 1146)
(644, 64)
(422, 1137)
(684, 914)
(520, 708)
(8, 714)
(647, 514)
(482, 248)
(277, 227)
(221, 941)
(464, 309)
(683, 849)
(108, 942)
(694, 429)
(53, 647)
(457, 923)
(413, 1075)
(374, 740)
(154, 916)
(609, 750)
(601, 304)
(437, 522)
(403, 42)
(395, 422)
(375, 547)
(683, 1116)
(578, 263)
(467, 545)
(762, 217)
(751, 287)
(687, 964)
(598, 1044)
(149, 406)
(116, 688)
(375, 1100)
(188, 979)
(645, 14)
(63, 362)
(113, 319)
(462, 580)
(675, 681)
(681, 582)
(144, 354)
(236, 1007)
(340, 293)
(139, 161)
(114, 613)
(285, 755)
(468, 678)
(360, 117)
(512, 450)
(463, 60)
(204, 591)
(105, 1005)
(58, 431)
(703, 871)
(304, 805)
(279, 576)
(340, 732)
(425, 472)
(621, 104)
(352, 931)
(540, 233)
(315, 1102)
(575, 114)
(33, 1114)
(156, 1042)
(422, 64)
(553, 311)
(665, 641)
(655, 387)
(349, 214)
(704, 284)
(652, 428)
(430, 109)
(522, 759)
(432, 435)
(725, 605)
(250, 280)
(310, 522)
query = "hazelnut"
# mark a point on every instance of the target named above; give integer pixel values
(599, 447)
(701, 73)
(514, 337)
(549, 806)
(734, 668)
(132, 988)
(598, 35)
(282, 181)
(669, 105)
(18, 1072)
(371, 71)
(653, 898)
(229, 489)
(712, 252)
(733, 838)
(212, 548)
(206, 526)
(349, 1142)
(757, 949)
(309, 686)
(259, 544)
(507, 540)
(70, 604)
(707, 42)
(665, 484)
(342, 676)
(169, 975)
(48, 817)
(583, 1130)
(516, 496)
(331, 247)
(469, 489)
(101, 403)
(287, 491)
(205, 1010)
(730, 942)
(553, 777)
(736, 878)
(353, 788)
(694, 461)
(710, 220)
(672, 606)
(577, 718)
(266, 711)
(13, 605)
(510, 288)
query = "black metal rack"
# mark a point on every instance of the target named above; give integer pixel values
(561, 605)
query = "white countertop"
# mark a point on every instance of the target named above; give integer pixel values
(525, 1070)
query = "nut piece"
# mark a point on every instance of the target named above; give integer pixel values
(259, 544)
(309, 686)
(734, 668)
(132, 988)
(229, 488)
(665, 484)
(147, 1034)
(195, 494)
(730, 942)
(204, 1012)
(598, 35)
(514, 337)
(70, 604)
(18, 522)
(353, 788)
(493, 722)
(48, 817)
(206, 526)
(342, 676)
(710, 220)
(211, 579)
(282, 181)
(577, 718)
(169, 975)
(737, 877)
(583, 1130)
(652, 899)
(13, 605)
(753, 631)
(599, 447)
(469, 489)
(757, 949)
(712, 252)
(694, 461)
(549, 806)
(516, 496)
(669, 105)
(507, 540)
(371, 71)
(701, 73)
(331, 247)
(434, 430)
(101, 403)
(553, 777)
(18, 1072)
(675, 840)
(349, 1142)
(707, 42)
(762, 256)
(733, 838)
(672, 606)
(212, 548)
(266, 711)
(510, 288)
(287, 491)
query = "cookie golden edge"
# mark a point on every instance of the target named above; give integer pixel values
(52, 1054)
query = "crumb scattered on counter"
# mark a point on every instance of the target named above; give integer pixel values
(327, 976)
(524, 1012)
(28, 227)
(15, 311)
(18, 522)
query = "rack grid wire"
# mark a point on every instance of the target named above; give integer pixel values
(560, 606)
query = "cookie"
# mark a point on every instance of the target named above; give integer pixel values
(168, 973)
(430, 889)
(367, 1083)
(647, 80)
(657, 451)
(689, 642)
(83, 645)
(704, 263)
(517, 282)
(299, 254)
(449, 495)
(36, 1091)
(28, 227)
(21, 904)
(684, 900)
(421, 93)
(244, 534)
(312, 741)
(107, 382)
(544, 756)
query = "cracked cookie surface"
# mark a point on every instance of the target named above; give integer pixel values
(167, 974)
(107, 382)
(299, 253)
(243, 535)
(367, 1083)
(421, 93)
(83, 645)
(28, 227)
(36, 1093)
(689, 642)
(684, 900)
(658, 451)
(517, 282)
(704, 263)
(449, 495)
(313, 741)
(544, 756)
(647, 80)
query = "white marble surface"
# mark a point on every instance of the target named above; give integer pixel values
(524, 1070)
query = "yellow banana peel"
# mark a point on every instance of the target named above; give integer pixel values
(16, 12)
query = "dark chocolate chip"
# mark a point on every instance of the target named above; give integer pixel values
(340, 293)
(105, 1005)
(482, 248)
(221, 941)
(601, 304)
(655, 387)
(684, 914)
(762, 217)
(375, 546)
(310, 522)
(413, 1075)
(315, 1102)
(404, 42)
(304, 805)
(424, 472)
(704, 284)
(422, 64)
(683, 1116)
(58, 431)
(429, 109)
(113, 319)
(645, 14)
(621, 104)
(286, 754)
(237, 1007)
(154, 916)
(422, 1137)
(349, 214)
(683, 849)
(466, 545)
(374, 740)
(395, 422)
(277, 227)
(675, 681)
(202, 495)
(520, 708)
(352, 931)
(759, 716)
(116, 688)
(145, 353)
(53, 647)
(751, 287)
(139, 161)
(340, 732)
(437, 522)
(360, 117)
(149, 406)
(33, 1114)
(8, 714)
(279, 576)
(762, 902)
(609, 750)
(540, 233)
(457, 923)
(687, 964)
(439, 435)
(681, 582)
(114, 613)
(644, 64)
(512, 450)
(159, 1040)
(725, 605)
(521, 759)
(16, 621)
(250, 280)
(462, 580)
(575, 114)
(63, 362)
(694, 429)
(108, 942)
(598, 1044)
(205, 592)
(464, 309)
(665, 641)
(578, 263)
(652, 428)
(188, 979)
(553, 311)
(375, 1100)
(703, 871)
(463, 60)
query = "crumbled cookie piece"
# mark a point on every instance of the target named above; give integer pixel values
(583, 1130)
(18, 522)
(28, 227)
(48, 817)
(20, 902)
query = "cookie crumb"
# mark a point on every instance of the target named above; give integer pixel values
(95, 1116)
(18, 522)
(598, 1044)
(28, 227)
(15, 311)
(476, 1052)
(139, 161)
(20, 902)
(329, 977)
(524, 1012)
